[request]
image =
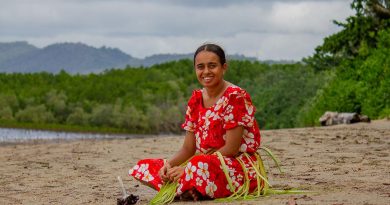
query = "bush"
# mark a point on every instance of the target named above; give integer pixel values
(35, 114)
(78, 117)
(6, 113)
(102, 115)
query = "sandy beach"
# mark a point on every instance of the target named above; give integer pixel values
(343, 164)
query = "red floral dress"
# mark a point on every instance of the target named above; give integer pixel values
(204, 172)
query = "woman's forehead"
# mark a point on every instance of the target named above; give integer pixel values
(205, 57)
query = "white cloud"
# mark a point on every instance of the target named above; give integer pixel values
(265, 29)
(314, 16)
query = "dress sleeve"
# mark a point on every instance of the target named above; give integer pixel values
(239, 111)
(191, 116)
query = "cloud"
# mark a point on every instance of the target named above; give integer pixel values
(266, 29)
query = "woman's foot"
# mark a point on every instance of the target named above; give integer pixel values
(191, 195)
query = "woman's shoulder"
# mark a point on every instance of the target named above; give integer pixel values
(196, 97)
(196, 93)
(236, 91)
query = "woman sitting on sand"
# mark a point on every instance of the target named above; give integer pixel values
(219, 150)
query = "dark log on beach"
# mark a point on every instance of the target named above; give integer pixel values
(334, 118)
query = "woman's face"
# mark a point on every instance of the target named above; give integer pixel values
(209, 69)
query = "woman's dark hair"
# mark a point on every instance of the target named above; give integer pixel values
(212, 48)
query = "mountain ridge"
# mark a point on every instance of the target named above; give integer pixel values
(20, 56)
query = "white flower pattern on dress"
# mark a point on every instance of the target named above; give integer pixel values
(179, 189)
(232, 174)
(221, 103)
(235, 184)
(228, 117)
(198, 141)
(131, 171)
(247, 120)
(147, 176)
(188, 112)
(143, 168)
(199, 181)
(249, 139)
(189, 126)
(240, 177)
(189, 171)
(229, 109)
(210, 188)
(228, 161)
(210, 115)
(251, 172)
(203, 170)
(243, 147)
(205, 128)
(231, 171)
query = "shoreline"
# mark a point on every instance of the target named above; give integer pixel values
(85, 140)
(63, 128)
(102, 135)
(23, 135)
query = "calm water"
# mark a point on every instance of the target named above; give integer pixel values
(22, 135)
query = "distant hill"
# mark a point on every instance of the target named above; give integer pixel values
(77, 58)
(72, 57)
(12, 50)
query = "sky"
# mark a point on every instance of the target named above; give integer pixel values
(265, 29)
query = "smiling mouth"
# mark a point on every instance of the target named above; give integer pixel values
(207, 79)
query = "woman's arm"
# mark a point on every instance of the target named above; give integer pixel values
(171, 171)
(233, 142)
(187, 150)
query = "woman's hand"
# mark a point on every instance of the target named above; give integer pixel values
(175, 173)
(163, 171)
(187, 151)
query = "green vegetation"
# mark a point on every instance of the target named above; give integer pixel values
(348, 73)
(358, 58)
(146, 100)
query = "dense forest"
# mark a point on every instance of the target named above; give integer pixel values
(149, 100)
(349, 72)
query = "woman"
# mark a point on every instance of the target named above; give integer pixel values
(218, 156)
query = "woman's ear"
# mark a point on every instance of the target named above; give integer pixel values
(224, 67)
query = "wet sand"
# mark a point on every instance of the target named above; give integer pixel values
(343, 164)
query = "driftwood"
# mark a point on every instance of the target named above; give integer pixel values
(334, 118)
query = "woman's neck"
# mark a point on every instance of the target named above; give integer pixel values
(216, 91)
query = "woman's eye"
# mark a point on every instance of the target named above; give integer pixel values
(200, 67)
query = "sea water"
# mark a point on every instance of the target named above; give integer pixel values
(22, 135)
